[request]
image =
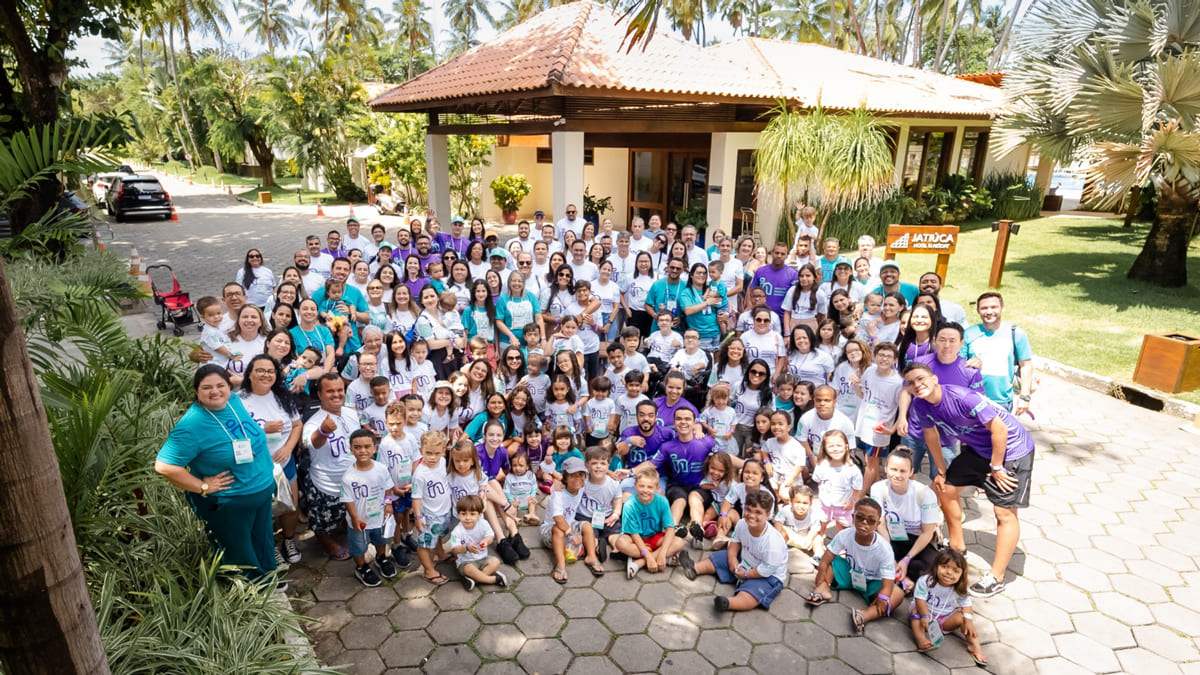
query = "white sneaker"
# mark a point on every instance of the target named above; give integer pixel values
(290, 552)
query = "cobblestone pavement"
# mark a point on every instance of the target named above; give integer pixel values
(1106, 577)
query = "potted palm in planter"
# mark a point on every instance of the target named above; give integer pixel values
(509, 192)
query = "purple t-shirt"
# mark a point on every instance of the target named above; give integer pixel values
(776, 283)
(963, 415)
(653, 442)
(666, 413)
(447, 242)
(956, 374)
(684, 460)
(492, 465)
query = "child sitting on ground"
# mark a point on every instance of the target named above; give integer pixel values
(756, 560)
(599, 510)
(800, 521)
(561, 531)
(470, 540)
(941, 604)
(520, 486)
(648, 530)
(860, 559)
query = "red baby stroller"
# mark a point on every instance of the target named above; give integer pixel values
(176, 305)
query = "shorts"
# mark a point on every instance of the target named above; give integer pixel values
(873, 451)
(838, 515)
(764, 590)
(680, 491)
(970, 468)
(654, 541)
(548, 534)
(357, 540)
(602, 532)
(402, 503)
(289, 468)
(842, 581)
(477, 564)
(436, 527)
(325, 512)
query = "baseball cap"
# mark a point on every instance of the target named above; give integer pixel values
(539, 213)
(351, 219)
(457, 219)
(890, 263)
(498, 253)
(573, 465)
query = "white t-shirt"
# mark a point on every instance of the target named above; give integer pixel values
(261, 288)
(585, 271)
(622, 267)
(617, 380)
(686, 362)
(366, 490)
(746, 402)
(636, 289)
(423, 377)
(609, 295)
(358, 394)
(721, 422)
(768, 347)
(320, 263)
(815, 366)
(627, 407)
(432, 487)
(729, 277)
(313, 280)
(519, 489)
(248, 349)
(461, 486)
(880, 403)
(767, 553)
(916, 507)
(560, 503)
(374, 417)
(401, 457)
(461, 536)
(638, 245)
(785, 457)
(876, 560)
(941, 600)
(402, 320)
(848, 400)
(836, 484)
(212, 339)
(787, 517)
(364, 244)
(265, 409)
(664, 346)
(538, 386)
(330, 461)
(637, 361)
(745, 323)
(598, 498)
(399, 380)
(737, 495)
(804, 312)
(813, 428)
(596, 415)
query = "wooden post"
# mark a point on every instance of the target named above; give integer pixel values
(943, 264)
(1001, 253)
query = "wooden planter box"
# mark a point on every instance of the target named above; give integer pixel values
(264, 197)
(1169, 362)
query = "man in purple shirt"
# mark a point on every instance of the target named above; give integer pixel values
(673, 384)
(641, 442)
(454, 241)
(775, 278)
(997, 456)
(425, 251)
(682, 462)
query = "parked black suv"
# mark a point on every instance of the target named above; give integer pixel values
(137, 196)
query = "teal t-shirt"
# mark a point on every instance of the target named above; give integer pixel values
(516, 313)
(996, 350)
(354, 299)
(560, 457)
(664, 296)
(703, 322)
(646, 520)
(202, 442)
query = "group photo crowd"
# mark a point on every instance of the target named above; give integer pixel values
(422, 399)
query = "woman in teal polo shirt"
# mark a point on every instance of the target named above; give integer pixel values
(218, 454)
(701, 302)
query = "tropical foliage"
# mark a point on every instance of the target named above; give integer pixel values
(1115, 84)
(510, 191)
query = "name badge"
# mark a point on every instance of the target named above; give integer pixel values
(274, 437)
(896, 529)
(597, 520)
(935, 632)
(372, 508)
(858, 579)
(243, 451)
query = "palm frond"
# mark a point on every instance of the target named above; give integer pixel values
(31, 156)
(1177, 89)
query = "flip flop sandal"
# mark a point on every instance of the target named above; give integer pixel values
(979, 659)
(926, 647)
(596, 569)
(631, 568)
(436, 580)
(563, 572)
(860, 622)
(815, 599)
(340, 553)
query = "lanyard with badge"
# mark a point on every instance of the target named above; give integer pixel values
(895, 524)
(243, 449)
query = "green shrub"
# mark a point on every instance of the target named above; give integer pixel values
(897, 209)
(343, 184)
(1015, 197)
(509, 191)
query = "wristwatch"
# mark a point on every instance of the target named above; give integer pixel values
(203, 489)
(1025, 397)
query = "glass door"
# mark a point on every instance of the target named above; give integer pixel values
(687, 188)
(647, 183)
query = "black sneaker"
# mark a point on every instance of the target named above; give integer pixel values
(507, 554)
(689, 567)
(501, 580)
(602, 549)
(387, 568)
(468, 583)
(290, 552)
(986, 587)
(367, 576)
(401, 558)
(697, 533)
(410, 543)
(721, 603)
(681, 532)
(519, 546)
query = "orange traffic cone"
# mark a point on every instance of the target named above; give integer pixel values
(174, 213)
(190, 181)
(320, 211)
(351, 211)
(134, 263)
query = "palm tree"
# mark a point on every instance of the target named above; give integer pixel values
(835, 161)
(268, 21)
(413, 29)
(464, 16)
(1114, 84)
(513, 12)
(798, 20)
(359, 23)
(206, 16)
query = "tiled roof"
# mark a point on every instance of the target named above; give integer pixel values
(578, 46)
(811, 73)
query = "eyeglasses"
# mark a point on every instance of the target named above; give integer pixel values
(760, 373)
(234, 294)
(255, 255)
(564, 275)
(869, 520)
(263, 371)
(768, 320)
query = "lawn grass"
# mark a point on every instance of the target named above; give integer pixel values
(1065, 284)
(284, 193)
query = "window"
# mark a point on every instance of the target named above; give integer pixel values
(974, 150)
(546, 156)
(926, 160)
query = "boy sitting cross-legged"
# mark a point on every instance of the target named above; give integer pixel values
(648, 530)
(756, 559)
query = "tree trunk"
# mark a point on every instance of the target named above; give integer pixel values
(47, 624)
(1003, 43)
(958, 19)
(862, 44)
(916, 52)
(1163, 260)
(1135, 203)
(941, 33)
(183, 115)
(261, 149)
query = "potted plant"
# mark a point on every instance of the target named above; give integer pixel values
(594, 207)
(509, 192)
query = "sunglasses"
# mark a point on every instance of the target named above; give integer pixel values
(524, 264)
(514, 358)
(762, 321)
(255, 255)
(760, 373)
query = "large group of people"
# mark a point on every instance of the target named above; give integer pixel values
(630, 391)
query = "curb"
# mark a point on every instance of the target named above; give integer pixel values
(1129, 392)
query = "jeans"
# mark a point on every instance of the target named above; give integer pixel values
(920, 449)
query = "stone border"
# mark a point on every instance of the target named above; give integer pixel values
(1171, 406)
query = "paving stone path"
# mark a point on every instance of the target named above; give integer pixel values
(1106, 578)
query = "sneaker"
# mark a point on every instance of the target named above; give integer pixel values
(290, 551)
(720, 543)
(501, 580)
(468, 583)
(401, 558)
(546, 486)
(280, 563)
(681, 532)
(721, 603)
(387, 568)
(689, 567)
(986, 587)
(519, 546)
(282, 586)
(697, 533)
(815, 560)
(410, 543)
(508, 555)
(602, 549)
(367, 576)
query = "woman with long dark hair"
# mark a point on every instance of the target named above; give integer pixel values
(637, 287)
(431, 328)
(557, 298)
(477, 261)
(259, 281)
(701, 303)
(479, 317)
(753, 393)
